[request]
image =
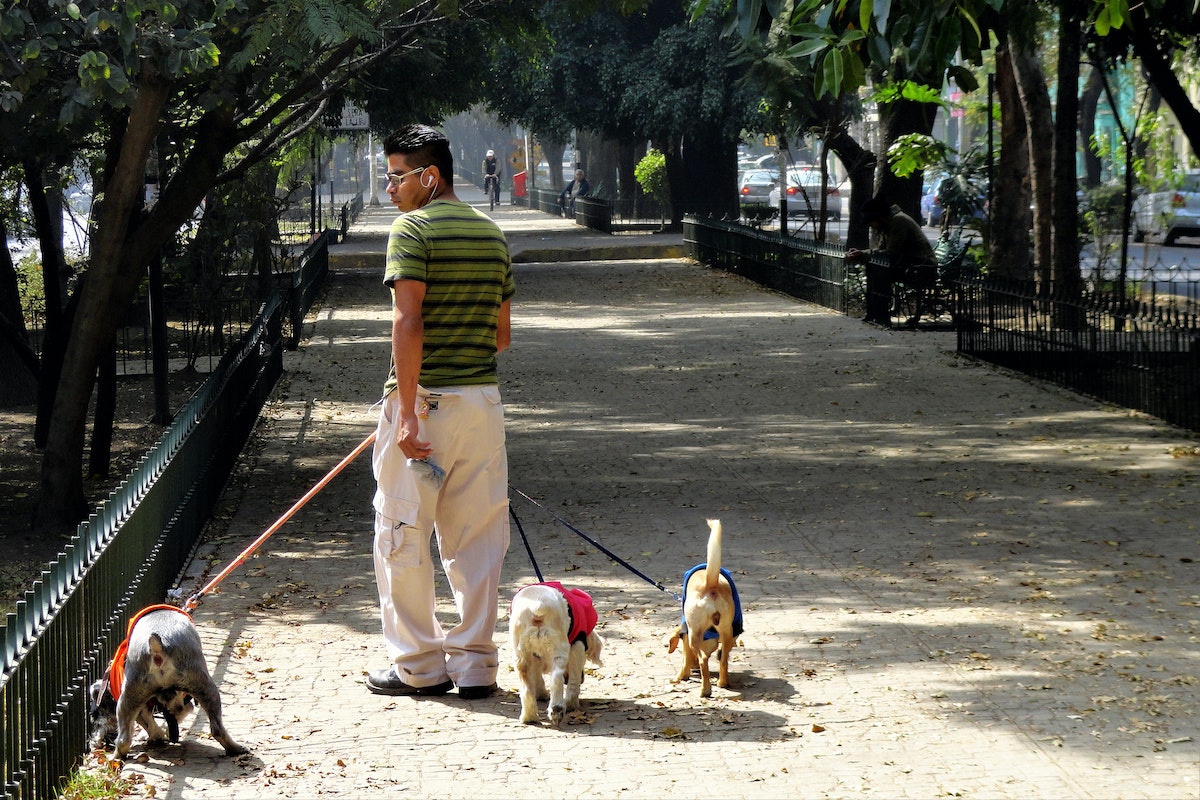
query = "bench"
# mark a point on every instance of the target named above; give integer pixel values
(928, 293)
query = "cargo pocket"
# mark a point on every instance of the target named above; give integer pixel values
(398, 543)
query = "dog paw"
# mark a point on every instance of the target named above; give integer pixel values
(235, 749)
(557, 714)
(530, 720)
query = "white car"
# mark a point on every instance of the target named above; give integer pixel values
(803, 195)
(1172, 213)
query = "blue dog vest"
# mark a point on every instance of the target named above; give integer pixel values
(711, 633)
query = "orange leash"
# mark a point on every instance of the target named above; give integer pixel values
(194, 600)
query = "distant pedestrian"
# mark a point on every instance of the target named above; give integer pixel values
(578, 187)
(440, 462)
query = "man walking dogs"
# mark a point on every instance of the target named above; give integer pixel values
(439, 461)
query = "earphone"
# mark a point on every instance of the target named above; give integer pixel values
(429, 182)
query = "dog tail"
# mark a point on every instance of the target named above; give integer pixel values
(712, 570)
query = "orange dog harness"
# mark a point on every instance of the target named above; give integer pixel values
(116, 670)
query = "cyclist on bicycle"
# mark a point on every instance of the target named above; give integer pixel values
(491, 176)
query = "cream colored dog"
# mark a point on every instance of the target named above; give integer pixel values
(553, 633)
(712, 616)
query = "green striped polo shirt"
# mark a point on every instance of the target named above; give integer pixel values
(462, 257)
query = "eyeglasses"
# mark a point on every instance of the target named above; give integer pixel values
(395, 179)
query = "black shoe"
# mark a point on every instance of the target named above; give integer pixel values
(386, 681)
(477, 692)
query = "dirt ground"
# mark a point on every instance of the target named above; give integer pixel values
(957, 582)
(27, 551)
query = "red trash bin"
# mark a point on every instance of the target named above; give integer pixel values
(519, 184)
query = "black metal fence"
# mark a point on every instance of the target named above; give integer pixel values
(205, 319)
(304, 283)
(805, 269)
(129, 552)
(1134, 342)
(1141, 353)
(602, 214)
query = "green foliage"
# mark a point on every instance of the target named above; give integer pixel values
(651, 175)
(963, 193)
(908, 90)
(1101, 223)
(646, 75)
(1110, 15)
(912, 152)
(893, 41)
(30, 286)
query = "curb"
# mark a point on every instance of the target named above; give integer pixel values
(605, 253)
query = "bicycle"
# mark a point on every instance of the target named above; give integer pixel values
(491, 187)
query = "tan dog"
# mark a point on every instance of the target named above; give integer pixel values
(712, 616)
(553, 633)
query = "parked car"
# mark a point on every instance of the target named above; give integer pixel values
(963, 199)
(803, 194)
(754, 189)
(1171, 213)
(931, 209)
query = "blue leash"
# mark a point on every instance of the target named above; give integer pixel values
(586, 538)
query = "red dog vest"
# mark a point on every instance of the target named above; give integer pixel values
(579, 607)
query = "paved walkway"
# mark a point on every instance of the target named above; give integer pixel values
(957, 582)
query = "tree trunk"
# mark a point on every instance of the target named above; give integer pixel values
(105, 293)
(1088, 103)
(598, 162)
(1158, 65)
(553, 151)
(860, 170)
(1065, 274)
(628, 154)
(54, 280)
(100, 457)
(898, 118)
(698, 169)
(159, 347)
(1010, 256)
(18, 362)
(1035, 102)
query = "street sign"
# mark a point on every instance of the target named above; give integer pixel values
(354, 118)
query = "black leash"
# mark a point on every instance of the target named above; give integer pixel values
(528, 549)
(589, 540)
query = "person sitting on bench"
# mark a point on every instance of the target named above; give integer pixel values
(910, 257)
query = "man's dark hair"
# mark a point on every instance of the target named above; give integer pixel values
(422, 145)
(876, 208)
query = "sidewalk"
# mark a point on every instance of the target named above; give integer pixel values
(956, 582)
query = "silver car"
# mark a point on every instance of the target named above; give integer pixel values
(1171, 213)
(803, 194)
(754, 186)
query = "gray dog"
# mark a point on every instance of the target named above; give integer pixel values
(160, 666)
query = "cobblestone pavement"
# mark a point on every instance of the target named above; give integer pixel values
(957, 582)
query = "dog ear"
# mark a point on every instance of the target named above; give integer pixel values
(97, 693)
(675, 640)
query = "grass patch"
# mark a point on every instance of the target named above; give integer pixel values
(101, 779)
